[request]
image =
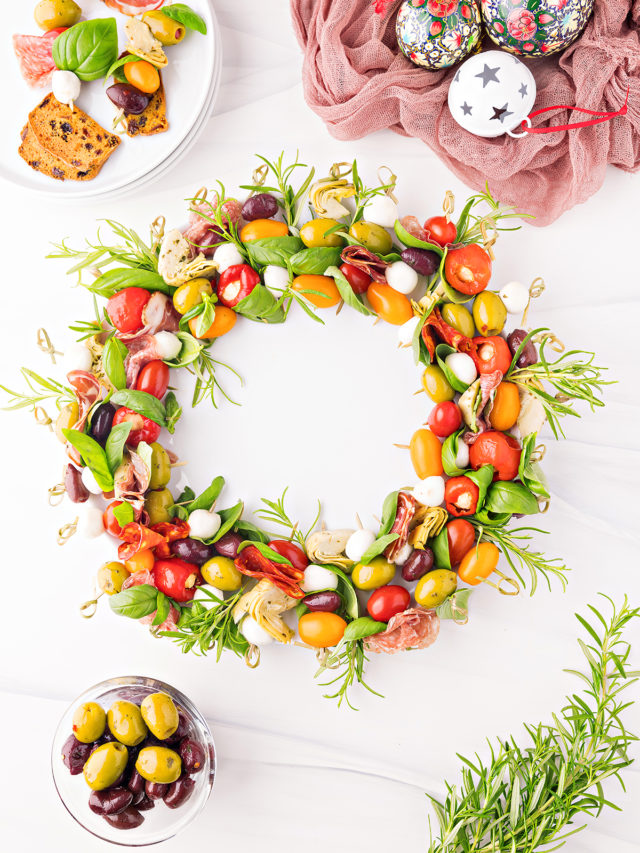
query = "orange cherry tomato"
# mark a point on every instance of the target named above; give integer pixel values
(321, 629)
(426, 453)
(468, 269)
(319, 290)
(461, 536)
(478, 563)
(143, 75)
(259, 229)
(223, 322)
(140, 562)
(506, 406)
(497, 449)
(391, 306)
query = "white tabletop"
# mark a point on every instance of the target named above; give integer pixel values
(320, 409)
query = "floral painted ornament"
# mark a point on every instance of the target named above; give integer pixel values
(438, 33)
(535, 27)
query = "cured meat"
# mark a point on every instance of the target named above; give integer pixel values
(131, 481)
(170, 531)
(88, 391)
(412, 629)
(411, 224)
(136, 537)
(253, 563)
(488, 383)
(142, 350)
(200, 228)
(34, 57)
(405, 511)
(158, 315)
(134, 7)
(447, 334)
(365, 260)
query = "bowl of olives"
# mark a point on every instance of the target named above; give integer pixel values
(133, 761)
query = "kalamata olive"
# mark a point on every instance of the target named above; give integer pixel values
(145, 804)
(192, 755)
(74, 754)
(101, 422)
(156, 790)
(260, 206)
(422, 261)
(77, 492)
(128, 98)
(227, 545)
(528, 355)
(211, 239)
(191, 551)
(179, 792)
(130, 818)
(111, 801)
(184, 727)
(327, 601)
(136, 782)
(419, 563)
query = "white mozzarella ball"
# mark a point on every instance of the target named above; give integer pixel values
(204, 524)
(90, 522)
(202, 597)
(276, 278)
(168, 345)
(462, 366)
(430, 491)
(358, 543)
(65, 86)
(406, 331)
(77, 357)
(401, 277)
(90, 482)
(462, 456)
(254, 633)
(227, 255)
(515, 296)
(403, 554)
(317, 578)
(381, 210)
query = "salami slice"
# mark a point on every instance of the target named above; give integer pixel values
(35, 57)
(134, 7)
(412, 629)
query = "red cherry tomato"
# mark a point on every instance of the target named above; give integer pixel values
(236, 283)
(497, 449)
(445, 418)
(125, 308)
(493, 354)
(461, 536)
(56, 30)
(154, 379)
(295, 555)
(468, 269)
(386, 601)
(176, 578)
(357, 278)
(440, 231)
(111, 523)
(461, 496)
(142, 428)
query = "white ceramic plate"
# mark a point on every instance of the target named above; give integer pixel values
(191, 81)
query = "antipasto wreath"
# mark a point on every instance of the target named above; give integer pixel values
(208, 578)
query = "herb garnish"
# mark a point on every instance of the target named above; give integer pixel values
(203, 627)
(349, 659)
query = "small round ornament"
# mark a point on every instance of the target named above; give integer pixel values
(491, 93)
(535, 27)
(438, 33)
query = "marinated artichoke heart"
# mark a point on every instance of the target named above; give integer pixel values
(144, 44)
(428, 522)
(265, 603)
(175, 264)
(532, 413)
(328, 546)
(468, 404)
(325, 196)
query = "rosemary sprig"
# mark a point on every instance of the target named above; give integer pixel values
(475, 225)
(204, 627)
(291, 200)
(130, 251)
(216, 215)
(363, 193)
(207, 382)
(349, 659)
(525, 798)
(275, 513)
(41, 389)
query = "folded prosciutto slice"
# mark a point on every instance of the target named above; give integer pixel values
(412, 629)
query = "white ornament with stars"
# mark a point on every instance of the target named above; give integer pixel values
(492, 93)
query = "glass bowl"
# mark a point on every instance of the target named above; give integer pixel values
(161, 822)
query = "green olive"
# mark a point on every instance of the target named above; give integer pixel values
(105, 765)
(160, 714)
(89, 721)
(164, 28)
(159, 764)
(376, 573)
(436, 384)
(188, 295)
(50, 14)
(372, 237)
(157, 505)
(111, 576)
(67, 419)
(126, 723)
(435, 587)
(459, 317)
(160, 467)
(489, 313)
(222, 573)
(314, 234)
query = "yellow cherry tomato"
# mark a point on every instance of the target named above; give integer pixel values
(478, 563)
(67, 419)
(190, 294)
(222, 573)
(391, 306)
(143, 75)
(140, 562)
(223, 322)
(506, 406)
(319, 290)
(426, 453)
(314, 234)
(321, 629)
(375, 574)
(259, 229)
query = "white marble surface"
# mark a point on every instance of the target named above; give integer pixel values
(293, 769)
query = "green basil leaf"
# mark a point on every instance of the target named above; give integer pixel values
(346, 291)
(123, 513)
(363, 627)
(180, 512)
(184, 15)
(93, 456)
(136, 602)
(510, 497)
(450, 453)
(186, 495)
(251, 532)
(378, 547)
(163, 608)
(418, 346)
(273, 250)
(456, 606)
(112, 281)
(346, 590)
(314, 261)
(529, 472)
(119, 64)
(205, 317)
(389, 510)
(267, 552)
(114, 446)
(300, 609)
(491, 519)
(409, 240)
(229, 517)
(440, 548)
(482, 478)
(210, 495)
(173, 411)
(461, 224)
(191, 349)
(88, 48)
(113, 356)
(442, 351)
(144, 404)
(261, 304)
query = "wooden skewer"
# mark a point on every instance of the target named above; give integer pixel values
(403, 446)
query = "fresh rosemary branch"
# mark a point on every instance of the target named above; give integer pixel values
(207, 382)
(42, 389)
(215, 214)
(348, 659)
(203, 627)
(291, 200)
(131, 251)
(474, 225)
(525, 798)
(275, 513)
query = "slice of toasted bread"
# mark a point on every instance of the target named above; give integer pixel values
(34, 154)
(71, 135)
(153, 119)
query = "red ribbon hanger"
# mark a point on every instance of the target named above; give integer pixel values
(601, 117)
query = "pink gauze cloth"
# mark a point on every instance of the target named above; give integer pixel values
(357, 81)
